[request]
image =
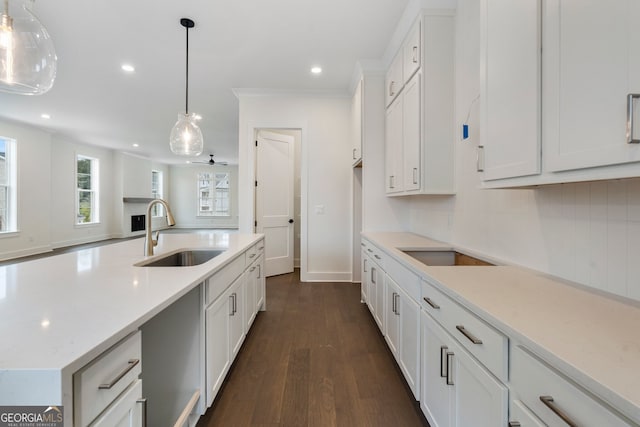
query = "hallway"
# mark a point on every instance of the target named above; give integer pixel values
(314, 358)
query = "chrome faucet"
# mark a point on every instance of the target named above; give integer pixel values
(149, 241)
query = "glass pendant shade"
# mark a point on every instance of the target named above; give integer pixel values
(186, 137)
(27, 55)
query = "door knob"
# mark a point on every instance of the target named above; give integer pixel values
(290, 221)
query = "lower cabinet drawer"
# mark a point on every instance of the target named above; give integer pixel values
(553, 399)
(99, 383)
(484, 342)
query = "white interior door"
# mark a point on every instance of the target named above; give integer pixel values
(274, 199)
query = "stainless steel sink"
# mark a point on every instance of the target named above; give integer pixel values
(182, 259)
(435, 258)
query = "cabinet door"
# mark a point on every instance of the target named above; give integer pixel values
(409, 313)
(378, 285)
(236, 322)
(411, 135)
(365, 268)
(480, 399)
(591, 62)
(260, 286)
(392, 316)
(411, 52)
(510, 88)
(393, 147)
(217, 322)
(394, 79)
(356, 123)
(436, 397)
(251, 282)
(126, 411)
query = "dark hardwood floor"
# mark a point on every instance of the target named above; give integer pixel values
(314, 358)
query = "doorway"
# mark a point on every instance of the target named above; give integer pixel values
(277, 197)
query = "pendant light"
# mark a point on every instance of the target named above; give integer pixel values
(27, 55)
(186, 137)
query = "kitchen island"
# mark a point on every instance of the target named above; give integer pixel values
(58, 314)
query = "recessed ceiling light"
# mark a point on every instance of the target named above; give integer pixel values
(316, 70)
(136, 145)
(45, 116)
(128, 68)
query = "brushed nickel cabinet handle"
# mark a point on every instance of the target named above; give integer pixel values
(231, 305)
(364, 265)
(630, 103)
(393, 303)
(144, 411)
(391, 91)
(362, 244)
(252, 256)
(370, 250)
(443, 369)
(397, 305)
(373, 275)
(469, 335)
(415, 54)
(354, 154)
(261, 248)
(259, 271)
(130, 365)
(548, 402)
(449, 363)
(391, 186)
(480, 159)
(431, 303)
(377, 256)
(252, 269)
(415, 175)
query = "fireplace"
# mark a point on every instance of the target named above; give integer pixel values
(137, 223)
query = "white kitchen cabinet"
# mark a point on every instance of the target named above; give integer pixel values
(251, 283)
(411, 52)
(127, 411)
(436, 397)
(419, 124)
(218, 344)
(260, 303)
(554, 399)
(591, 63)
(356, 123)
(392, 316)
(393, 148)
(394, 80)
(236, 322)
(411, 135)
(510, 51)
(365, 266)
(470, 395)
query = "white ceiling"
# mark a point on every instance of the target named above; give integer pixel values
(268, 44)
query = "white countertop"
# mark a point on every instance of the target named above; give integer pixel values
(59, 312)
(591, 337)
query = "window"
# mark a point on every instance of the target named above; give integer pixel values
(213, 194)
(87, 205)
(156, 192)
(8, 191)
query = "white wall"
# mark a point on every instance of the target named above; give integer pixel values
(326, 172)
(34, 195)
(62, 211)
(184, 200)
(585, 232)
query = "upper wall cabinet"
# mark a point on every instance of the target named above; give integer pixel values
(565, 113)
(510, 89)
(419, 136)
(591, 64)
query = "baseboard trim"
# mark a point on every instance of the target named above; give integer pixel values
(316, 276)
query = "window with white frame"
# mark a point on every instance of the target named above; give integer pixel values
(156, 192)
(87, 200)
(8, 191)
(213, 194)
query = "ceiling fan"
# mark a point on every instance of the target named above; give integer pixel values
(212, 162)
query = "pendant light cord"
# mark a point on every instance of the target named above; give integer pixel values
(186, 101)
